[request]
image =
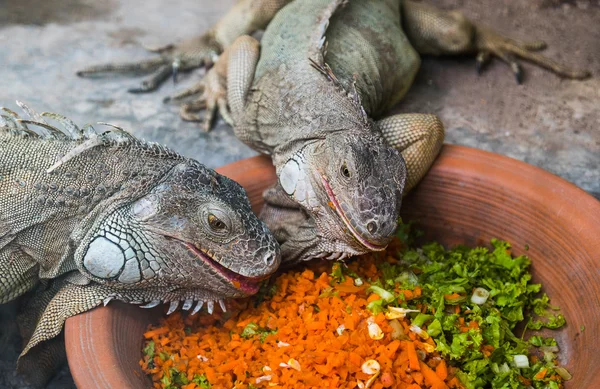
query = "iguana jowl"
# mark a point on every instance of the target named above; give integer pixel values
(87, 218)
(308, 94)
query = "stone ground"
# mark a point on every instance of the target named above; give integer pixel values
(548, 122)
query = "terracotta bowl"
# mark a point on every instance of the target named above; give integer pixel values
(468, 197)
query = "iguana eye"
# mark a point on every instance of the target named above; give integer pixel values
(215, 223)
(344, 171)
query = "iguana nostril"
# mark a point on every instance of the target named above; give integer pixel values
(372, 227)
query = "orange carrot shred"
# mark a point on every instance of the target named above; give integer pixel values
(541, 374)
(413, 358)
(431, 378)
(441, 370)
(313, 332)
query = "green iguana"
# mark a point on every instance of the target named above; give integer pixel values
(87, 218)
(307, 95)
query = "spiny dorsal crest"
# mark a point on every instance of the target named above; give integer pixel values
(318, 62)
(87, 136)
(353, 95)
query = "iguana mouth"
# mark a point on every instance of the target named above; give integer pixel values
(338, 209)
(249, 285)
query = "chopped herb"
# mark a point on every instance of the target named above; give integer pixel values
(149, 349)
(201, 381)
(337, 272)
(163, 356)
(253, 329)
(478, 338)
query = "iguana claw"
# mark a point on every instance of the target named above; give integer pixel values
(151, 304)
(173, 307)
(212, 96)
(188, 55)
(187, 304)
(489, 43)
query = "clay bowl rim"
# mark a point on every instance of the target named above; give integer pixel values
(88, 336)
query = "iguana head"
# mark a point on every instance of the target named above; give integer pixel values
(191, 236)
(351, 183)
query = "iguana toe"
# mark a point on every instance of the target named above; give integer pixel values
(210, 95)
(489, 42)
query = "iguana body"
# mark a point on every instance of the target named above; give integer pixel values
(87, 218)
(312, 94)
(310, 107)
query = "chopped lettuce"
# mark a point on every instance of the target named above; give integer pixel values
(385, 295)
(478, 339)
(201, 381)
(252, 329)
(337, 272)
(175, 379)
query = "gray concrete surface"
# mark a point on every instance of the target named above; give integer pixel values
(548, 122)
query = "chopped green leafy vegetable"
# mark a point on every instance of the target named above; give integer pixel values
(385, 295)
(201, 381)
(149, 352)
(149, 349)
(163, 355)
(474, 298)
(253, 329)
(337, 272)
(266, 291)
(175, 379)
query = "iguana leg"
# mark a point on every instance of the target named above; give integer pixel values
(419, 137)
(438, 32)
(42, 320)
(39, 366)
(289, 223)
(297, 232)
(245, 17)
(213, 95)
(185, 56)
(228, 81)
(18, 273)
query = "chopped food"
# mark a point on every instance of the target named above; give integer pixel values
(418, 318)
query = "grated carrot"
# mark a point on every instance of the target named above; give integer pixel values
(431, 378)
(441, 370)
(313, 332)
(541, 374)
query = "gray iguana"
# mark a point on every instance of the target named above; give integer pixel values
(313, 93)
(87, 218)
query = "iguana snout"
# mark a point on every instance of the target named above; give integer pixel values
(363, 179)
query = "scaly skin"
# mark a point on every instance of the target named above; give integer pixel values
(340, 183)
(430, 31)
(87, 218)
